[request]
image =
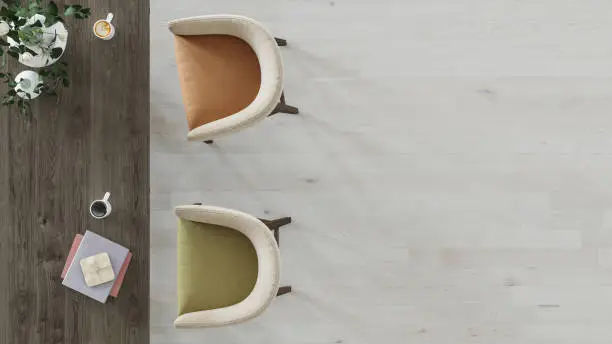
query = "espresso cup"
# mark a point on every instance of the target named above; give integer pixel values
(100, 208)
(104, 29)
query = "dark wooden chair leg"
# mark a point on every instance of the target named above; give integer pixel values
(275, 225)
(279, 222)
(283, 290)
(209, 142)
(284, 108)
(280, 41)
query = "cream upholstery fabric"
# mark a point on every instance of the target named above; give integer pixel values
(268, 260)
(268, 53)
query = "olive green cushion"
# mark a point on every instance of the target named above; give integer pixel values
(217, 266)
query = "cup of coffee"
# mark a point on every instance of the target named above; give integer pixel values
(100, 208)
(103, 28)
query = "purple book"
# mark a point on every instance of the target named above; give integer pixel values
(118, 281)
(92, 244)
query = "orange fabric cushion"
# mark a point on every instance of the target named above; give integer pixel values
(219, 76)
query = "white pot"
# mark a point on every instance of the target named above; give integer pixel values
(43, 60)
(26, 84)
(4, 28)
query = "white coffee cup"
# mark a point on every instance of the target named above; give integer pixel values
(100, 208)
(104, 29)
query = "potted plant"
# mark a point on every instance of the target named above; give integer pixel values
(34, 34)
(28, 85)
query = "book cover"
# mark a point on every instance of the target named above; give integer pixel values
(118, 281)
(92, 244)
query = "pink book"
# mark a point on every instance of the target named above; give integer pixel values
(120, 276)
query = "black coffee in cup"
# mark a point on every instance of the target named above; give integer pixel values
(98, 209)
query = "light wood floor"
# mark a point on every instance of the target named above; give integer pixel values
(449, 175)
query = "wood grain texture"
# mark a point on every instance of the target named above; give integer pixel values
(93, 138)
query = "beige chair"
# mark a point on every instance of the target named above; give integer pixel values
(228, 265)
(230, 71)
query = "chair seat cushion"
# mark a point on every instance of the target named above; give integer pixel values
(217, 266)
(219, 76)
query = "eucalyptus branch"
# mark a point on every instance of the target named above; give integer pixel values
(26, 34)
(15, 17)
(11, 96)
(52, 78)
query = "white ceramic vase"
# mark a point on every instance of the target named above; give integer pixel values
(44, 59)
(27, 81)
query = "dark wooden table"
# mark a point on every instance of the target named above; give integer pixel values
(94, 138)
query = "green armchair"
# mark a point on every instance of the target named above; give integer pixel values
(228, 265)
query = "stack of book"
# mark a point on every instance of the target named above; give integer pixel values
(88, 245)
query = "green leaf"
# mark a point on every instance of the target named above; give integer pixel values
(5, 12)
(71, 9)
(12, 92)
(52, 8)
(13, 54)
(37, 23)
(13, 5)
(50, 20)
(66, 82)
(12, 83)
(22, 12)
(56, 52)
(14, 35)
(34, 7)
(4, 43)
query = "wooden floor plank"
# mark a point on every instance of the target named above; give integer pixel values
(448, 175)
